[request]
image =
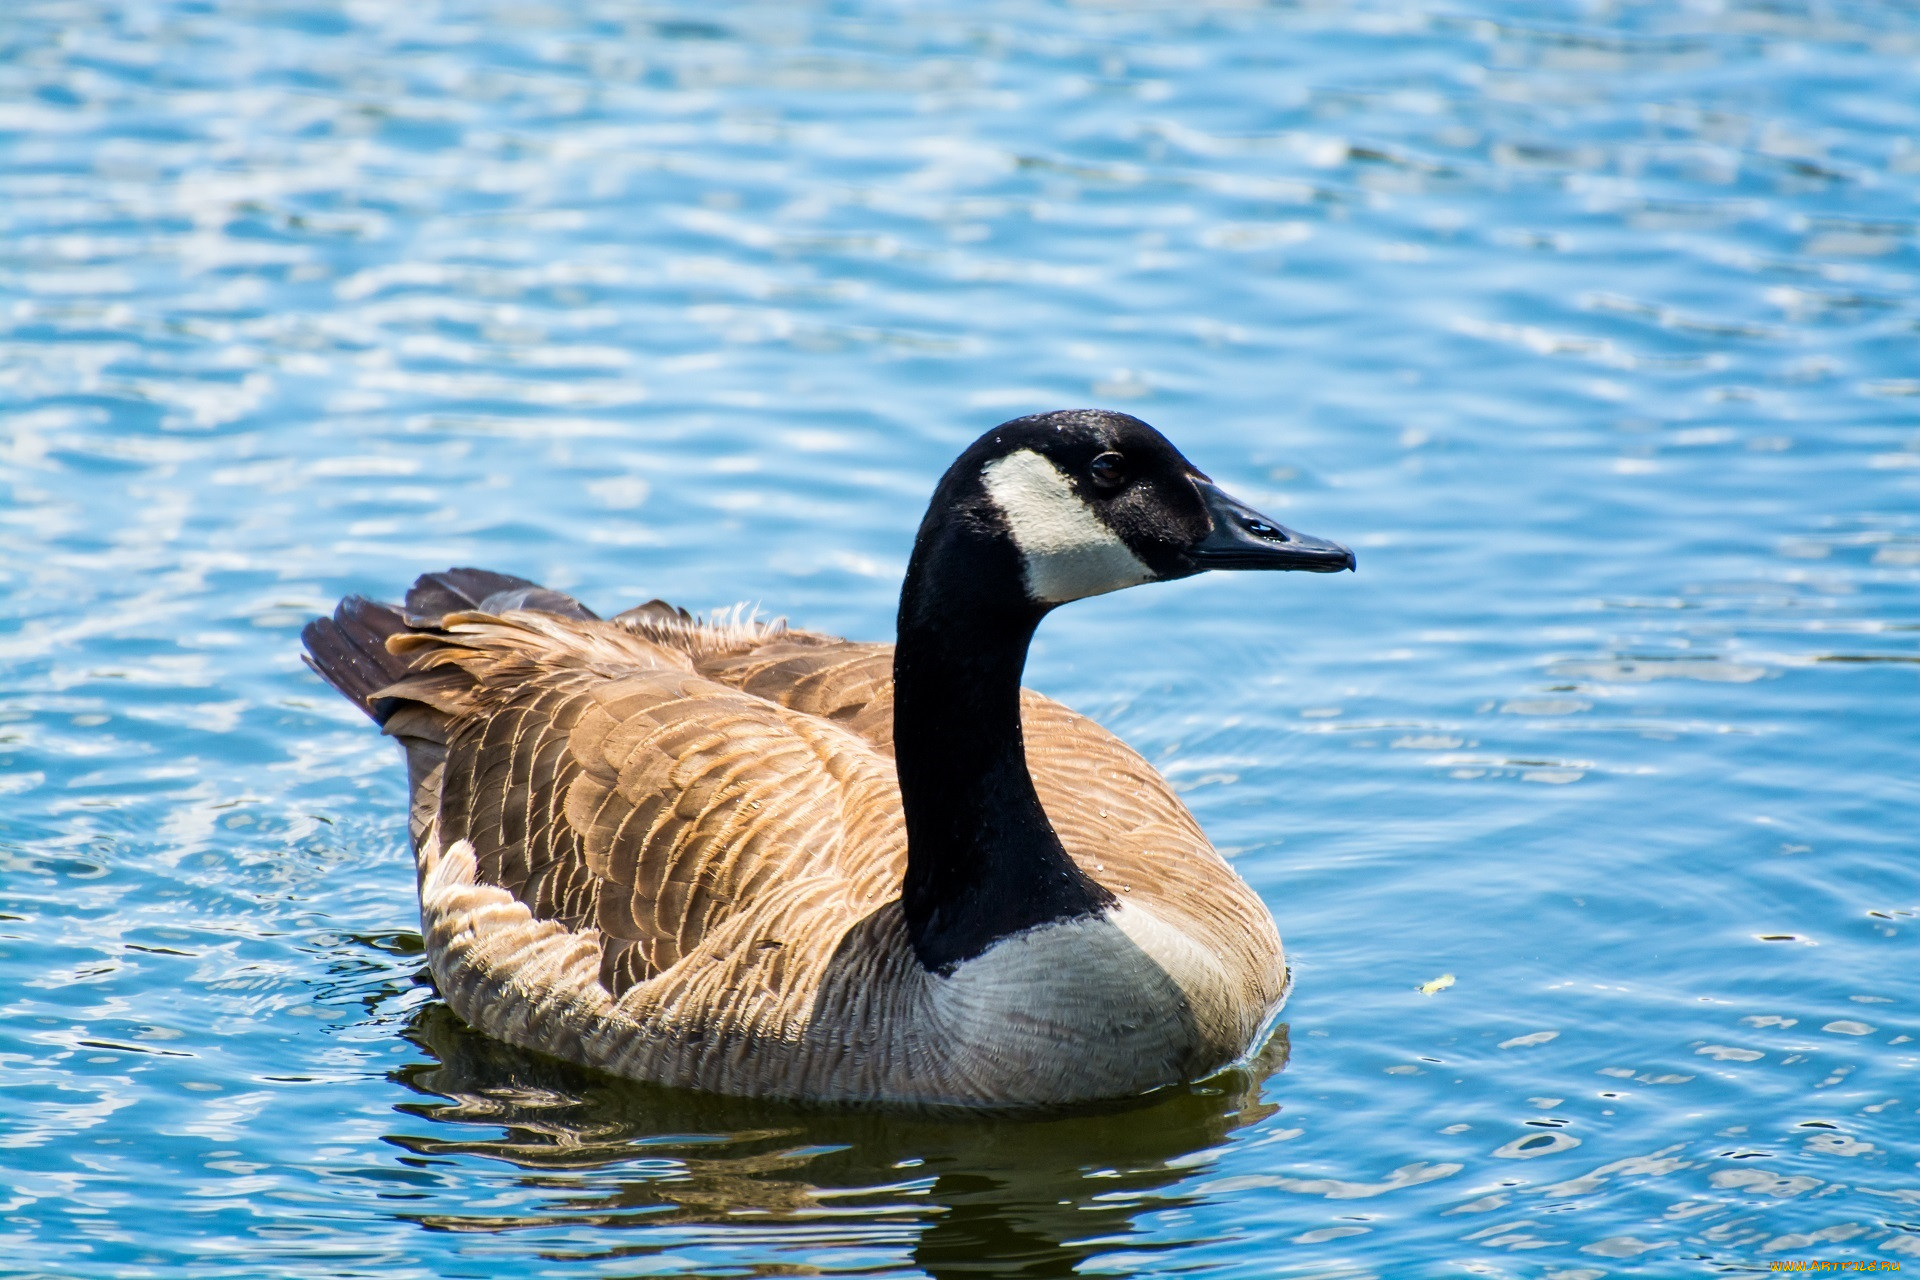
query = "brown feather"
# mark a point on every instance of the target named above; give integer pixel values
(674, 850)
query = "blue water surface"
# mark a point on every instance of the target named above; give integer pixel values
(1587, 807)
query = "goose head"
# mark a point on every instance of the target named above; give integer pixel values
(1082, 502)
(1037, 512)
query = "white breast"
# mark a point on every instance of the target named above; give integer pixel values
(1068, 551)
(1117, 1004)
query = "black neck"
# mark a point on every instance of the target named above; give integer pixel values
(983, 862)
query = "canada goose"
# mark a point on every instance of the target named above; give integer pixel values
(760, 861)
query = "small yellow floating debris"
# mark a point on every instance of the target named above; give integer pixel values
(1438, 985)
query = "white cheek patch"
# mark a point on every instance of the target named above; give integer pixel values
(1069, 552)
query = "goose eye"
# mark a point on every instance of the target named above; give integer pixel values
(1109, 470)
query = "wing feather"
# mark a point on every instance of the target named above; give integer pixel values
(650, 803)
(693, 807)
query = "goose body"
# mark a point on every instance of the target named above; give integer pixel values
(771, 862)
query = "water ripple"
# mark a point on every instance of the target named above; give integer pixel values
(1584, 808)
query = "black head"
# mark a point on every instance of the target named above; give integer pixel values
(1092, 501)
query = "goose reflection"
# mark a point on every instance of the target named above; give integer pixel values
(1028, 1196)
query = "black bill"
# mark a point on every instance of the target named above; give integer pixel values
(1242, 538)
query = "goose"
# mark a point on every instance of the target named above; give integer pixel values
(747, 859)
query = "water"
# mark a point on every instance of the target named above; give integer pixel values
(1592, 328)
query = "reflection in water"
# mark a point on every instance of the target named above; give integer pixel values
(967, 1195)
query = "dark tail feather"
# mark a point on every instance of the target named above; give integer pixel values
(435, 595)
(349, 651)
